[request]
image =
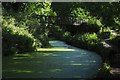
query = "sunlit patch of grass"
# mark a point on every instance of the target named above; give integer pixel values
(55, 49)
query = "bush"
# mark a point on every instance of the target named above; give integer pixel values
(105, 33)
(56, 32)
(104, 71)
(15, 39)
(86, 41)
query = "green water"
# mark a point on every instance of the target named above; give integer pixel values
(69, 63)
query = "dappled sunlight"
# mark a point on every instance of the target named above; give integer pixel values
(83, 53)
(55, 70)
(83, 62)
(55, 49)
(19, 57)
(79, 56)
(49, 54)
(22, 71)
(56, 41)
(63, 62)
(23, 62)
(67, 57)
(76, 64)
(23, 55)
(72, 61)
(59, 40)
(18, 71)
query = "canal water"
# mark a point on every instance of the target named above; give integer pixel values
(60, 61)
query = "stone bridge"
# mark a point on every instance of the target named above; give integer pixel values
(60, 20)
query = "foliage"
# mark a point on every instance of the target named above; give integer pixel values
(14, 8)
(15, 39)
(90, 24)
(107, 12)
(56, 32)
(81, 13)
(102, 14)
(27, 21)
(61, 9)
(85, 15)
(23, 31)
(87, 41)
(117, 23)
(104, 71)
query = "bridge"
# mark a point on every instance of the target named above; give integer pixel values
(60, 20)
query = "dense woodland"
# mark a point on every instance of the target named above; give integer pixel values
(25, 31)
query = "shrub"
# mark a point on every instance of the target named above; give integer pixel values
(56, 32)
(86, 41)
(15, 39)
(104, 71)
(105, 33)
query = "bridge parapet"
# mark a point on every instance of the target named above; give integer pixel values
(60, 20)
